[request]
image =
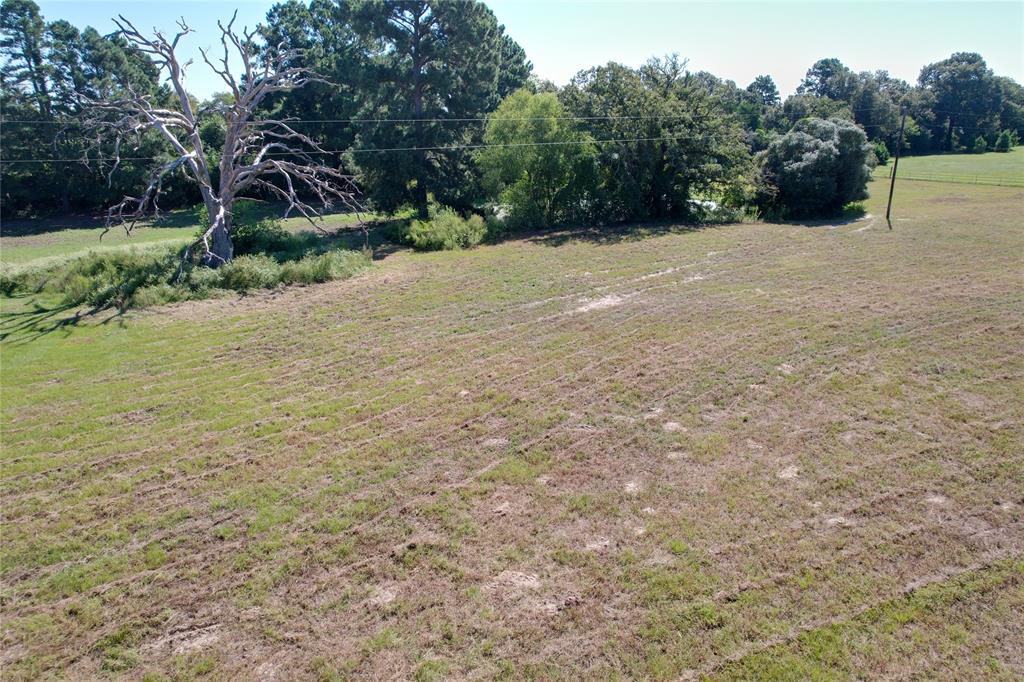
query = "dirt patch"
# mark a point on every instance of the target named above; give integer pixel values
(788, 473)
(609, 301)
(187, 640)
(513, 583)
(381, 596)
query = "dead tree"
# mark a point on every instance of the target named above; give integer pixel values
(256, 150)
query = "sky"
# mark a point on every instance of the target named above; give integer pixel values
(733, 40)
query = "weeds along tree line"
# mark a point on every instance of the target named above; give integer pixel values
(431, 105)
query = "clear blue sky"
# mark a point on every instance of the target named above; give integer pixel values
(734, 40)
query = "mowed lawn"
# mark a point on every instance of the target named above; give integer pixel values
(998, 168)
(750, 451)
(26, 244)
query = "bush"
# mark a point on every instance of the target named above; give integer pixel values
(250, 272)
(1006, 141)
(980, 145)
(815, 169)
(108, 279)
(202, 280)
(323, 268)
(244, 212)
(262, 236)
(881, 153)
(158, 294)
(140, 278)
(250, 233)
(265, 255)
(446, 230)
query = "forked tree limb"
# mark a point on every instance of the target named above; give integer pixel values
(268, 154)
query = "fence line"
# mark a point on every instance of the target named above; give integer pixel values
(955, 178)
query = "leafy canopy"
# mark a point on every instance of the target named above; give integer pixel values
(538, 162)
(816, 168)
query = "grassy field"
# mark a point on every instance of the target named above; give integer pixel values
(750, 451)
(24, 244)
(989, 168)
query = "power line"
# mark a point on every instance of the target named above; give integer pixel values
(387, 149)
(476, 119)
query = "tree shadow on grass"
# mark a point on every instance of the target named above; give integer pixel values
(381, 237)
(850, 214)
(27, 227)
(38, 320)
(609, 234)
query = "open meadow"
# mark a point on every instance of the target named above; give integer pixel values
(990, 168)
(766, 451)
(37, 243)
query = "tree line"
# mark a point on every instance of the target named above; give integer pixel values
(427, 102)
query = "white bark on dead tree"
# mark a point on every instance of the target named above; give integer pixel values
(256, 150)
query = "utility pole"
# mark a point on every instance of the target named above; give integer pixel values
(895, 165)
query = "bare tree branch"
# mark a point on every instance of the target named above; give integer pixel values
(258, 153)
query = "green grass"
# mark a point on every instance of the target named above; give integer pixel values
(24, 246)
(761, 451)
(988, 168)
(30, 251)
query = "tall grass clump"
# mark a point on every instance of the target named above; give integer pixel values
(144, 277)
(446, 230)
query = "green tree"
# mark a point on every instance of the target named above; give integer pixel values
(828, 78)
(433, 63)
(965, 93)
(798, 107)
(50, 71)
(1005, 141)
(875, 102)
(23, 43)
(1011, 113)
(328, 44)
(664, 140)
(764, 91)
(816, 168)
(537, 161)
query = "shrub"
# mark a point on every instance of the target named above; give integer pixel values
(323, 268)
(202, 280)
(244, 212)
(980, 145)
(881, 153)
(105, 279)
(249, 233)
(262, 236)
(250, 272)
(1006, 141)
(815, 169)
(142, 278)
(446, 230)
(158, 294)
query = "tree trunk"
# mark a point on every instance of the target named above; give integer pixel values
(221, 248)
(949, 135)
(65, 190)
